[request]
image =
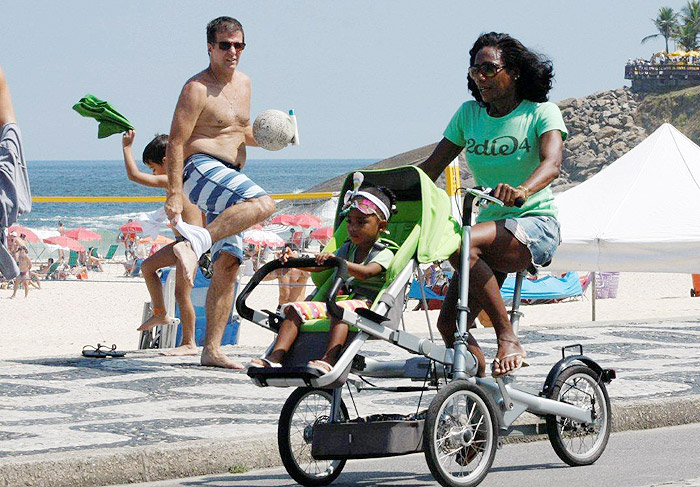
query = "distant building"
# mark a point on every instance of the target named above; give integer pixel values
(664, 72)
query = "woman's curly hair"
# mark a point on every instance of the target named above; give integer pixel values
(535, 71)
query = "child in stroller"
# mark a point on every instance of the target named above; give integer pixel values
(367, 210)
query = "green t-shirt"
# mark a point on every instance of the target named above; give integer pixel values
(506, 150)
(371, 286)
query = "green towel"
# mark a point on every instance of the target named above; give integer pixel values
(111, 121)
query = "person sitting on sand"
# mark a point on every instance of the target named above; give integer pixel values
(368, 211)
(154, 158)
(25, 264)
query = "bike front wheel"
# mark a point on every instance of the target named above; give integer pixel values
(303, 410)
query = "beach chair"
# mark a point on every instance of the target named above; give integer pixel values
(111, 251)
(136, 271)
(52, 273)
(73, 259)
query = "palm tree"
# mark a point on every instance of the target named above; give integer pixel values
(666, 22)
(691, 13)
(687, 36)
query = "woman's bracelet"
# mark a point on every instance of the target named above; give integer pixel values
(524, 189)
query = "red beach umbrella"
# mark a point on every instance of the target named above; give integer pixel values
(65, 242)
(31, 236)
(131, 227)
(307, 220)
(283, 220)
(83, 234)
(263, 238)
(323, 233)
(160, 240)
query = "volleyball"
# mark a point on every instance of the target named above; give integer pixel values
(273, 129)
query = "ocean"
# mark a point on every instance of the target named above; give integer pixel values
(108, 178)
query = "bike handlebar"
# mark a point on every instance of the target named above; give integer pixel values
(333, 309)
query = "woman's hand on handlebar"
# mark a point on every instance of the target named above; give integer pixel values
(508, 194)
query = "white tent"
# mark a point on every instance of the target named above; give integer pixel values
(641, 213)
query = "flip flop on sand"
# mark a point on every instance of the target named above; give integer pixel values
(263, 363)
(102, 351)
(518, 364)
(320, 365)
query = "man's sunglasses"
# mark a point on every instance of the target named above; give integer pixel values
(226, 46)
(487, 70)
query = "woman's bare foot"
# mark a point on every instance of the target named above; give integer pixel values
(180, 351)
(188, 260)
(509, 357)
(214, 358)
(158, 319)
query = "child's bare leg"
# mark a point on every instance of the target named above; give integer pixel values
(15, 288)
(289, 330)
(338, 337)
(26, 288)
(187, 317)
(163, 258)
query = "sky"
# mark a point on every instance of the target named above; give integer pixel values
(368, 79)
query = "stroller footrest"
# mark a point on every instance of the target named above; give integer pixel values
(262, 375)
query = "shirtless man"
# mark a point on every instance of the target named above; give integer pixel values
(25, 265)
(292, 281)
(206, 152)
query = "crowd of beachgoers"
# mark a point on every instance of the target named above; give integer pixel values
(677, 60)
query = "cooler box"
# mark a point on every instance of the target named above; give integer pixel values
(199, 299)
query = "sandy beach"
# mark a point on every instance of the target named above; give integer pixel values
(64, 316)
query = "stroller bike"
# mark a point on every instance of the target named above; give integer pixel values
(459, 432)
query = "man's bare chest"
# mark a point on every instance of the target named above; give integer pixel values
(230, 109)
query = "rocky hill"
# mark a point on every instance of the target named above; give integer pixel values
(602, 127)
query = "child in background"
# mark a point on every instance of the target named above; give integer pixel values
(368, 210)
(154, 158)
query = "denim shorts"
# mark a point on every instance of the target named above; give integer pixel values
(539, 233)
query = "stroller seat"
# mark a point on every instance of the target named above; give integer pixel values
(419, 233)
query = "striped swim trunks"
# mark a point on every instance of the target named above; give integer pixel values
(214, 185)
(316, 310)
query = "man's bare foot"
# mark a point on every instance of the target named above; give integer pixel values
(509, 357)
(218, 359)
(180, 351)
(158, 319)
(188, 260)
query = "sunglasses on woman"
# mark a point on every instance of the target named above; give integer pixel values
(226, 46)
(487, 70)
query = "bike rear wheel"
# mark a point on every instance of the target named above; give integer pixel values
(574, 442)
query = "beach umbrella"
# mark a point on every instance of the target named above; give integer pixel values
(323, 233)
(131, 227)
(160, 240)
(263, 238)
(275, 228)
(283, 219)
(83, 234)
(307, 220)
(28, 233)
(65, 242)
